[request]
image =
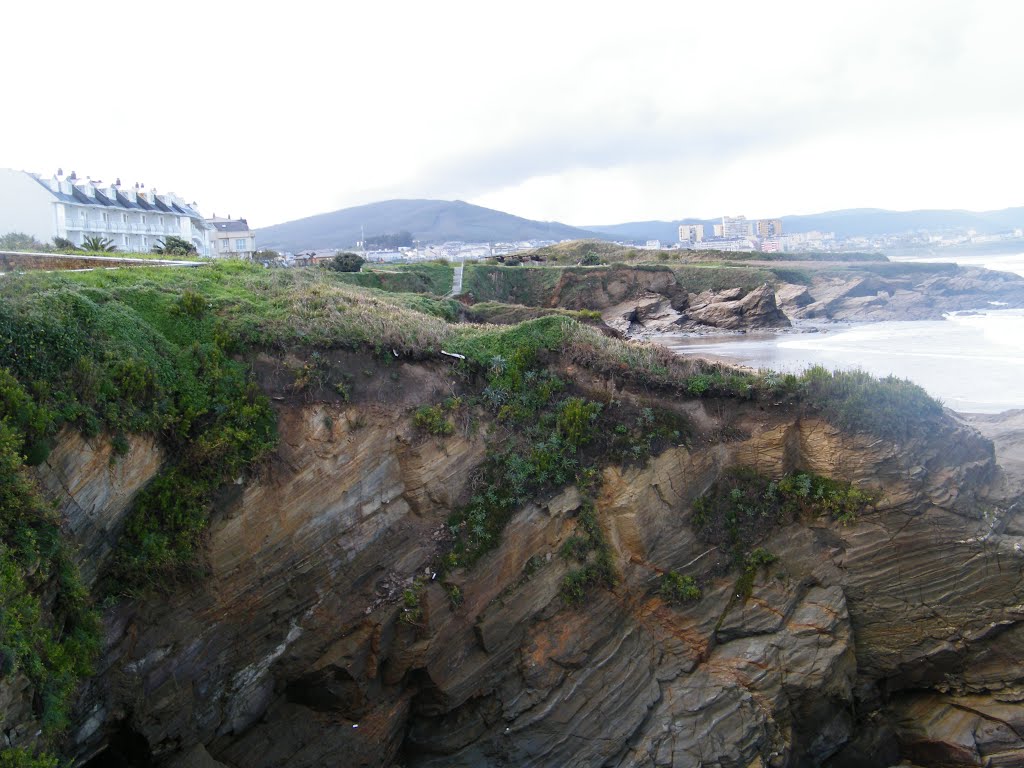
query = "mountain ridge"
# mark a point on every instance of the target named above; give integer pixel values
(430, 221)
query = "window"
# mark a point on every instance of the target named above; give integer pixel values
(124, 218)
(223, 245)
(240, 244)
(143, 218)
(125, 239)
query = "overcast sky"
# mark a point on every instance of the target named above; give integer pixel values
(586, 113)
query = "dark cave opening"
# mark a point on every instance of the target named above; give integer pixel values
(127, 749)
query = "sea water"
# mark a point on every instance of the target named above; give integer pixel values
(1001, 262)
(972, 362)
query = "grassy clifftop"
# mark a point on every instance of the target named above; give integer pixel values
(168, 351)
(585, 287)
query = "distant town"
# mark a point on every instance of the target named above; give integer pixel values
(65, 211)
(734, 233)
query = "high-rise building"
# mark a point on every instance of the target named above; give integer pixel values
(769, 227)
(736, 226)
(691, 233)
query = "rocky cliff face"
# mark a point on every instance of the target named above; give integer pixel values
(731, 310)
(850, 297)
(903, 298)
(899, 634)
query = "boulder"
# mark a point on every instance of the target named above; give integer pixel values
(757, 309)
(646, 314)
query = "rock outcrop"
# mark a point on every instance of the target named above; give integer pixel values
(901, 633)
(902, 297)
(731, 310)
(736, 310)
(93, 487)
(644, 314)
(649, 300)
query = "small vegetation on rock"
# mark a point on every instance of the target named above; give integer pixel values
(412, 611)
(744, 506)
(48, 629)
(455, 596)
(16, 757)
(590, 548)
(676, 588)
(432, 420)
(752, 562)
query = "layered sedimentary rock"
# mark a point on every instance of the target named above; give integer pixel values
(900, 633)
(731, 310)
(874, 298)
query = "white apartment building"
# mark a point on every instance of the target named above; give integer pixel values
(734, 227)
(132, 218)
(691, 233)
(231, 238)
(728, 244)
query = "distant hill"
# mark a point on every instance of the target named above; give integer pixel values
(853, 222)
(429, 221)
(875, 221)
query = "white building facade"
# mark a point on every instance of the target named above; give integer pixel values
(734, 227)
(132, 218)
(231, 238)
(691, 233)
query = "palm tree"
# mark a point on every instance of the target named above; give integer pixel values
(98, 244)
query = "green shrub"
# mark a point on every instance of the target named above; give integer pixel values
(432, 420)
(743, 507)
(576, 420)
(192, 304)
(856, 401)
(18, 757)
(455, 596)
(752, 563)
(698, 385)
(346, 262)
(676, 588)
(651, 431)
(48, 629)
(578, 581)
(412, 610)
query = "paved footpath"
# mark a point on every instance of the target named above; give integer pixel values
(457, 280)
